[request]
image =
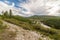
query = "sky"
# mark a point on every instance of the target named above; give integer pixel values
(31, 7)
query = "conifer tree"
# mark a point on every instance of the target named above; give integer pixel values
(10, 13)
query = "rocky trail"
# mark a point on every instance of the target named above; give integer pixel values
(22, 34)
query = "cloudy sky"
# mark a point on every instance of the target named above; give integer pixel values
(31, 7)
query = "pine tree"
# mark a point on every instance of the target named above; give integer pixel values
(10, 13)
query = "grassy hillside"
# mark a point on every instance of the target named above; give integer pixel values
(52, 21)
(2, 27)
(28, 24)
(5, 34)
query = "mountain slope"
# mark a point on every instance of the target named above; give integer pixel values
(22, 34)
(52, 21)
(27, 29)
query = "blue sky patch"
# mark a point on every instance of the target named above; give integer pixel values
(16, 2)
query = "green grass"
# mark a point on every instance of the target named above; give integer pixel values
(22, 24)
(28, 25)
(52, 33)
(52, 21)
(2, 27)
(4, 33)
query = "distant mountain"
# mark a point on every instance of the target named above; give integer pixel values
(43, 17)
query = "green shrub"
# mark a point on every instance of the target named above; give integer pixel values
(54, 23)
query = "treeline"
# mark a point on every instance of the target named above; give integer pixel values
(7, 14)
(52, 21)
(55, 23)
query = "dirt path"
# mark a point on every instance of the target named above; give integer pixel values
(22, 34)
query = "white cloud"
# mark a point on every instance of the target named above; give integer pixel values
(35, 7)
(5, 7)
(54, 8)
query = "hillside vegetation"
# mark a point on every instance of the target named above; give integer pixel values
(52, 21)
(34, 24)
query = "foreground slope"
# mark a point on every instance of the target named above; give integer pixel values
(27, 29)
(22, 34)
